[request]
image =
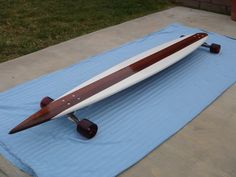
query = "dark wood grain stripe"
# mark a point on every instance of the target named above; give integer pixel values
(81, 94)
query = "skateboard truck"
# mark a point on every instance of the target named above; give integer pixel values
(85, 127)
(214, 48)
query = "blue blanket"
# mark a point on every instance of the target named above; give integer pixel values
(131, 123)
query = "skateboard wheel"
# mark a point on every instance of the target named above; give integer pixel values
(45, 101)
(214, 48)
(87, 128)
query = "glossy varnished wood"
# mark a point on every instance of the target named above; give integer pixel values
(85, 92)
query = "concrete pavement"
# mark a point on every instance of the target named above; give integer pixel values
(205, 147)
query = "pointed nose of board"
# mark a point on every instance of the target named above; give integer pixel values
(35, 119)
(14, 130)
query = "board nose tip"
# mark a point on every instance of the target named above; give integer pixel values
(19, 127)
(12, 131)
(35, 119)
(16, 129)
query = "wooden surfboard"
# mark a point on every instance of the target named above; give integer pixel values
(116, 79)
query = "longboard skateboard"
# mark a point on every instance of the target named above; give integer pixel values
(113, 80)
